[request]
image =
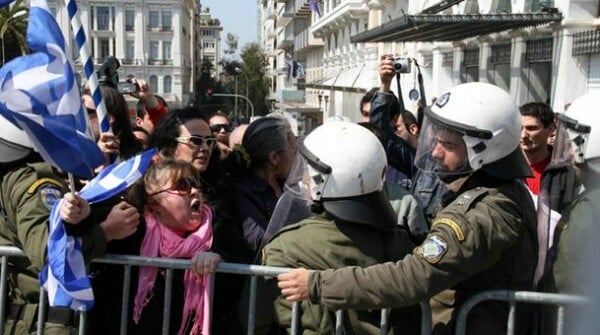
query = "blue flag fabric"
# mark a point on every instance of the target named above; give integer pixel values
(5, 3)
(64, 277)
(38, 94)
(314, 7)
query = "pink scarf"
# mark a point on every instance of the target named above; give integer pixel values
(161, 241)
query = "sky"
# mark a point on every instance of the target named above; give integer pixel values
(237, 17)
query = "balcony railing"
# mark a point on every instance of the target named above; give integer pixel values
(160, 62)
(306, 41)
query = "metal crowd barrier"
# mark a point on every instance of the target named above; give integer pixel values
(513, 297)
(254, 271)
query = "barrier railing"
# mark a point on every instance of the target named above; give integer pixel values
(513, 297)
(254, 271)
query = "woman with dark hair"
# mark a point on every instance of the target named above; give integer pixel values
(107, 279)
(121, 142)
(259, 168)
(185, 134)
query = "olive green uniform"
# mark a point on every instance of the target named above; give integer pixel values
(484, 238)
(576, 268)
(28, 193)
(320, 243)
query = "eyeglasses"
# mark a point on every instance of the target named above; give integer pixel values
(182, 187)
(197, 140)
(215, 128)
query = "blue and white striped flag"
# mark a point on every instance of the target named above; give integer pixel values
(38, 94)
(64, 276)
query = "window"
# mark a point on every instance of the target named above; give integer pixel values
(208, 32)
(104, 49)
(154, 83)
(166, 21)
(129, 49)
(129, 20)
(154, 19)
(209, 45)
(153, 49)
(166, 50)
(167, 81)
(103, 17)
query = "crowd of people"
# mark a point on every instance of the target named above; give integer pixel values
(471, 194)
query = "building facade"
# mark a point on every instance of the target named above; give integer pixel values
(547, 51)
(209, 41)
(153, 40)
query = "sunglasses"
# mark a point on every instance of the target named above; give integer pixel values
(198, 141)
(215, 128)
(182, 187)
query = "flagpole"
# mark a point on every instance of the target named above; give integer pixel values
(88, 64)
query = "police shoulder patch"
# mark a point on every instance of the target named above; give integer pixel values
(432, 249)
(49, 194)
(43, 182)
(456, 228)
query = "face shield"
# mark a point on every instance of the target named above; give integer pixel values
(294, 204)
(441, 149)
(571, 141)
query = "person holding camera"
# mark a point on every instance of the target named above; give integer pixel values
(150, 107)
(385, 111)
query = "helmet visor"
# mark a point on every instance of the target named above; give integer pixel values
(294, 204)
(571, 141)
(442, 149)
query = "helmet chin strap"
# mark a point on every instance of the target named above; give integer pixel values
(449, 177)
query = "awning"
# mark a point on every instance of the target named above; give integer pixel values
(431, 27)
(299, 108)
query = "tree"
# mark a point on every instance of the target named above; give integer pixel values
(13, 30)
(253, 75)
(207, 83)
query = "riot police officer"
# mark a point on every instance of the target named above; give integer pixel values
(576, 270)
(28, 190)
(484, 237)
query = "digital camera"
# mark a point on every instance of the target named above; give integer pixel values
(108, 76)
(402, 64)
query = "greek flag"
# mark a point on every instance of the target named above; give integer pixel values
(38, 94)
(64, 276)
(314, 7)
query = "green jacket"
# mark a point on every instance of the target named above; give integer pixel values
(576, 268)
(28, 193)
(320, 243)
(484, 238)
(578, 243)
